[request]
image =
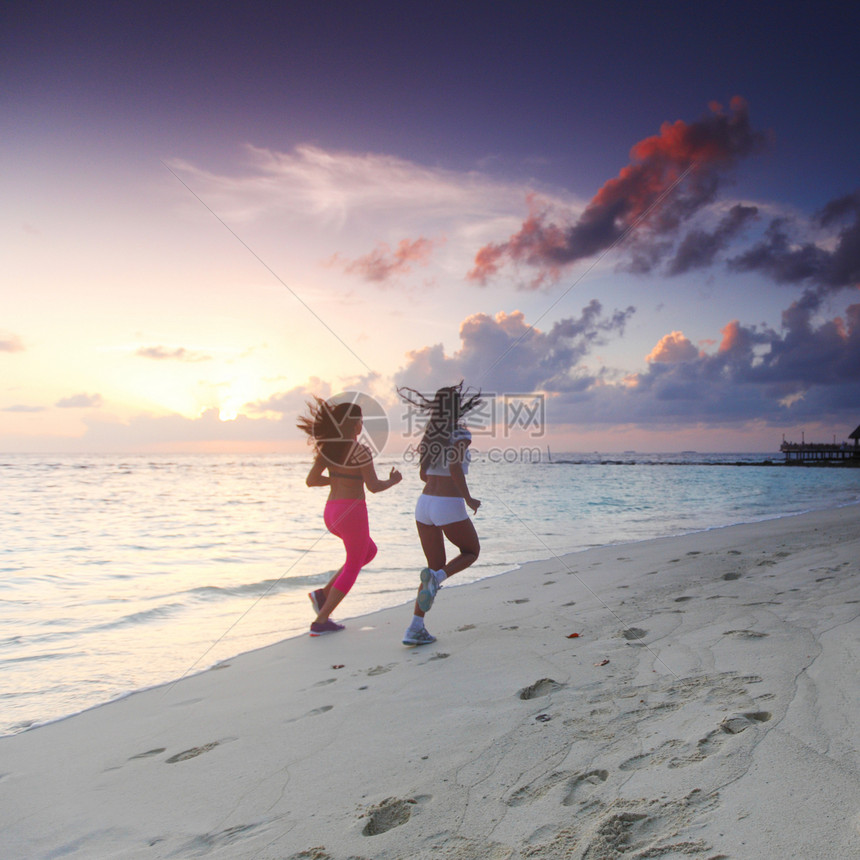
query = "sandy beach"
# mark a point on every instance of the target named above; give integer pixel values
(693, 696)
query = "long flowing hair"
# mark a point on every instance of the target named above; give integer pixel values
(444, 411)
(331, 429)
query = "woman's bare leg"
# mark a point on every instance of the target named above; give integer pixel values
(463, 535)
(433, 544)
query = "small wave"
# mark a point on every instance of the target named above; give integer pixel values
(143, 617)
(37, 658)
(254, 589)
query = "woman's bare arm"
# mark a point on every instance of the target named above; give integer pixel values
(459, 477)
(315, 477)
(376, 484)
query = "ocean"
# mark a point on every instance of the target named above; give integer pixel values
(125, 572)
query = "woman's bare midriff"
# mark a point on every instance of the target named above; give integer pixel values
(346, 488)
(437, 485)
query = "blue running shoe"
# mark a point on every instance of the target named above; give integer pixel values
(429, 589)
(418, 637)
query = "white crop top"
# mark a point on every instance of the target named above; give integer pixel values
(442, 467)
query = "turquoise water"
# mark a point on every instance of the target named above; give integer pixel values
(119, 573)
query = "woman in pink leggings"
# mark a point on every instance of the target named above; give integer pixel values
(334, 428)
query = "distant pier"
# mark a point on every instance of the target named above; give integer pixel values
(822, 453)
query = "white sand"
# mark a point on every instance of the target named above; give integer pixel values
(724, 724)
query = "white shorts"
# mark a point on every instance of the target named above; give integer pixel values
(440, 510)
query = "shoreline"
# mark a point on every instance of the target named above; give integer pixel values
(552, 557)
(711, 684)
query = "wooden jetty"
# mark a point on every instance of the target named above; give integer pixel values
(822, 453)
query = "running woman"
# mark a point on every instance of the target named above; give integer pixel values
(334, 428)
(440, 513)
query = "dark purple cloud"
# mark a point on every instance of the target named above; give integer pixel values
(699, 248)
(791, 259)
(671, 177)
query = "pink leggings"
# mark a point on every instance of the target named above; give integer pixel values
(347, 518)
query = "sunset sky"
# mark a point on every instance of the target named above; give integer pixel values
(648, 213)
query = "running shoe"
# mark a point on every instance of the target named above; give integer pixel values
(429, 588)
(328, 626)
(418, 637)
(317, 599)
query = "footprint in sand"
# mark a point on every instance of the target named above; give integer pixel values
(192, 753)
(519, 600)
(745, 634)
(654, 757)
(682, 599)
(714, 739)
(381, 670)
(741, 722)
(317, 853)
(323, 709)
(387, 815)
(731, 576)
(465, 627)
(706, 746)
(593, 777)
(208, 841)
(441, 655)
(543, 687)
(186, 703)
(632, 633)
(149, 753)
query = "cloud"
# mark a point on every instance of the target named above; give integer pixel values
(80, 401)
(333, 187)
(788, 256)
(503, 354)
(699, 248)
(347, 202)
(22, 408)
(290, 403)
(670, 178)
(806, 371)
(382, 264)
(163, 353)
(673, 348)
(10, 343)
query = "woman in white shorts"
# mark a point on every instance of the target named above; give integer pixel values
(441, 509)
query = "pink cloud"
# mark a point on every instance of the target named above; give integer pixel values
(10, 343)
(382, 263)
